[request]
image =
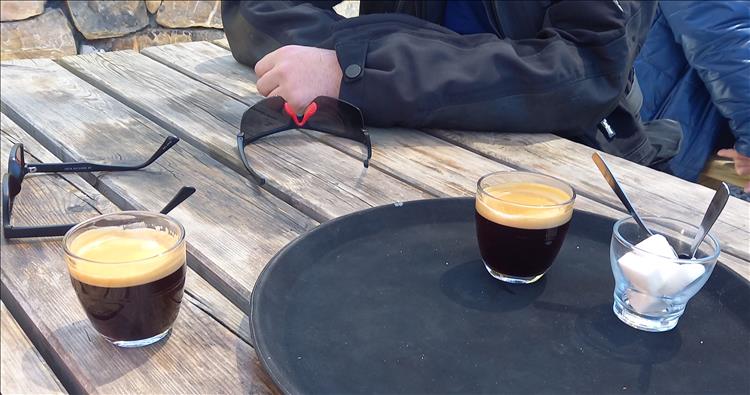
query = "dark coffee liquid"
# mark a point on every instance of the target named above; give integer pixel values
(136, 312)
(518, 252)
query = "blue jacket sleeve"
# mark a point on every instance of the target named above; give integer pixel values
(715, 37)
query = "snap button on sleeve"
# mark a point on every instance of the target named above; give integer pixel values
(353, 71)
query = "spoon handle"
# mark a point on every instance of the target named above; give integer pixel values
(604, 169)
(180, 197)
(712, 214)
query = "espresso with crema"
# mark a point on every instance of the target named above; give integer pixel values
(129, 281)
(521, 227)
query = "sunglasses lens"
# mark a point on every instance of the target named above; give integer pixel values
(337, 118)
(16, 163)
(264, 118)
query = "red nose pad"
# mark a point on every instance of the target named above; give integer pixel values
(311, 109)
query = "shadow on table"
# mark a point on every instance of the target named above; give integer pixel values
(600, 330)
(98, 359)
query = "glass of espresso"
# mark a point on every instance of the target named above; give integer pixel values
(128, 270)
(521, 219)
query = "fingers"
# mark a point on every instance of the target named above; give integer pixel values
(747, 188)
(742, 168)
(728, 153)
(266, 64)
(276, 92)
(741, 162)
(268, 82)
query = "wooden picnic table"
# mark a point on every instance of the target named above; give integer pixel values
(120, 105)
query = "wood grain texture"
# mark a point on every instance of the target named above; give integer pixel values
(233, 227)
(652, 192)
(208, 63)
(430, 163)
(318, 180)
(36, 287)
(81, 202)
(22, 368)
(720, 169)
(222, 43)
(437, 167)
(212, 65)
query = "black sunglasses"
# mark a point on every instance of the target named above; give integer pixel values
(18, 169)
(324, 114)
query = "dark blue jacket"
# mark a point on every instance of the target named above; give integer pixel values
(695, 68)
(547, 66)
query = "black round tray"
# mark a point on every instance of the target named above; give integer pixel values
(395, 299)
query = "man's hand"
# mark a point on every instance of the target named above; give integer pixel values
(299, 74)
(741, 163)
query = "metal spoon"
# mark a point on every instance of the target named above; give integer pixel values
(604, 169)
(180, 197)
(712, 213)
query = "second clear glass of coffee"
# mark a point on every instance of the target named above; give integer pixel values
(521, 221)
(128, 271)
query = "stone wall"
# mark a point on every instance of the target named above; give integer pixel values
(52, 29)
(56, 28)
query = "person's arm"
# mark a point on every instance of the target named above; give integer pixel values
(415, 73)
(715, 37)
(259, 27)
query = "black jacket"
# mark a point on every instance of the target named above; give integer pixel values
(551, 66)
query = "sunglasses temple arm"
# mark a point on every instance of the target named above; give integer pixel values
(180, 197)
(72, 167)
(241, 147)
(19, 232)
(368, 144)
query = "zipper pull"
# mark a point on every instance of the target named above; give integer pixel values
(606, 129)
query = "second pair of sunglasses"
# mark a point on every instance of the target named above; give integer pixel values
(18, 169)
(325, 114)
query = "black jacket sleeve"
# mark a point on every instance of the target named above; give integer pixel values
(418, 74)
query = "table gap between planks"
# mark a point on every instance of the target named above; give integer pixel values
(655, 191)
(119, 106)
(446, 170)
(209, 349)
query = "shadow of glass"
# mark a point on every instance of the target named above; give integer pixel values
(601, 331)
(469, 285)
(95, 355)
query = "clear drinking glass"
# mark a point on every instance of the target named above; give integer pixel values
(128, 271)
(652, 288)
(521, 222)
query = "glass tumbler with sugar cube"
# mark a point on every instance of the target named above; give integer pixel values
(654, 279)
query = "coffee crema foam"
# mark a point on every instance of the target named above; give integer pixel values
(513, 204)
(102, 250)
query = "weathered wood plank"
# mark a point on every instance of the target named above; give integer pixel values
(653, 192)
(36, 288)
(720, 169)
(222, 43)
(22, 368)
(209, 64)
(320, 181)
(233, 227)
(82, 201)
(541, 152)
(430, 163)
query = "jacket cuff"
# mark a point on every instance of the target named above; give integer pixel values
(743, 146)
(352, 57)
